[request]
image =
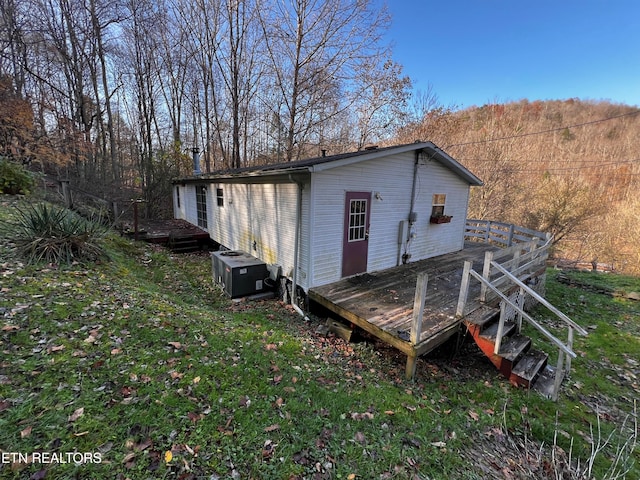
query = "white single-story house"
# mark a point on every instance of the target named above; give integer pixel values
(326, 218)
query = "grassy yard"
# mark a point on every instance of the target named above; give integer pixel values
(138, 367)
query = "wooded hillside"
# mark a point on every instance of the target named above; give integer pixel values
(569, 167)
(117, 95)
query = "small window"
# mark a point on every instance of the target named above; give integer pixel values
(437, 205)
(220, 197)
(178, 196)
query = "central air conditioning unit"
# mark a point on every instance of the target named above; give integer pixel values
(238, 273)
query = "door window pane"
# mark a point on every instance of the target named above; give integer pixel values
(357, 220)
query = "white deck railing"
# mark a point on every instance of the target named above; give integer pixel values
(501, 234)
(514, 268)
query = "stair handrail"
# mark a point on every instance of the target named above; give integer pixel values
(536, 252)
(529, 319)
(540, 299)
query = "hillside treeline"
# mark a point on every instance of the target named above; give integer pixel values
(568, 167)
(118, 93)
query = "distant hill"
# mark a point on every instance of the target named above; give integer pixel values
(570, 167)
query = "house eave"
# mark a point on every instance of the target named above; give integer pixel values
(298, 175)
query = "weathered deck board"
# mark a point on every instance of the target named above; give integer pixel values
(382, 302)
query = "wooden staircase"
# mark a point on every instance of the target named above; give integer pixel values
(183, 242)
(523, 365)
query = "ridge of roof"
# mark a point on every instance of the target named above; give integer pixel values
(308, 164)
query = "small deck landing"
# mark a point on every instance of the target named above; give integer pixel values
(178, 235)
(381, 303)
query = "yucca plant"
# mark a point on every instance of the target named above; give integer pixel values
(52, 234)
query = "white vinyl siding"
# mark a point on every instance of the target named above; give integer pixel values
(259, 219)
(437, 239)
(179, 201)
(390, 181)
(391, 178)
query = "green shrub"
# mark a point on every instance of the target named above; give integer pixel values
(52, 234)
(14, 178)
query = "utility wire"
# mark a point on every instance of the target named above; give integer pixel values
(582, 167)
(541, 132)
(581, 163)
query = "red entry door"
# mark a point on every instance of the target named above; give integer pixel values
(355, 243)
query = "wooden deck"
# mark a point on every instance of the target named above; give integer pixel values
(382, 303)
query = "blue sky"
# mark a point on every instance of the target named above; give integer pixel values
(474, 52)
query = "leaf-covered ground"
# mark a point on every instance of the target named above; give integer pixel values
(138, 367)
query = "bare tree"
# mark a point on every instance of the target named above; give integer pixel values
(312, 45)
(380, 102)
(236, 61)
(13, 43)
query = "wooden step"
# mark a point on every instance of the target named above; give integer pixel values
(514, 347)
(528, 367)
(482, 316)
(183, 244)
(545, 383)
(491, 332)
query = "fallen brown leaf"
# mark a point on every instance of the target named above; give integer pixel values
(129, 460)
(76, 414)
(194, 417)
(143, 445)
(26, 432)
(268, 449)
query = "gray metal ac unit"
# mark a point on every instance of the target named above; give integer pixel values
(239, 273)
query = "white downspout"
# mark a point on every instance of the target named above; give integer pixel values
(296, 250)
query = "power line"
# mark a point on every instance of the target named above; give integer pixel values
(586, 163)
(558, 170)
(541, 132)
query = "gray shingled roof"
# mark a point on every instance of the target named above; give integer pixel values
(332, 161)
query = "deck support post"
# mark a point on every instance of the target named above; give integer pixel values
(66, 193)
(510, 235)
(570, 345)
(410, 370)
(559, 376)
(486, 273)
(418, 307)
(520, 302)
(464, 289)
(500, 333)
